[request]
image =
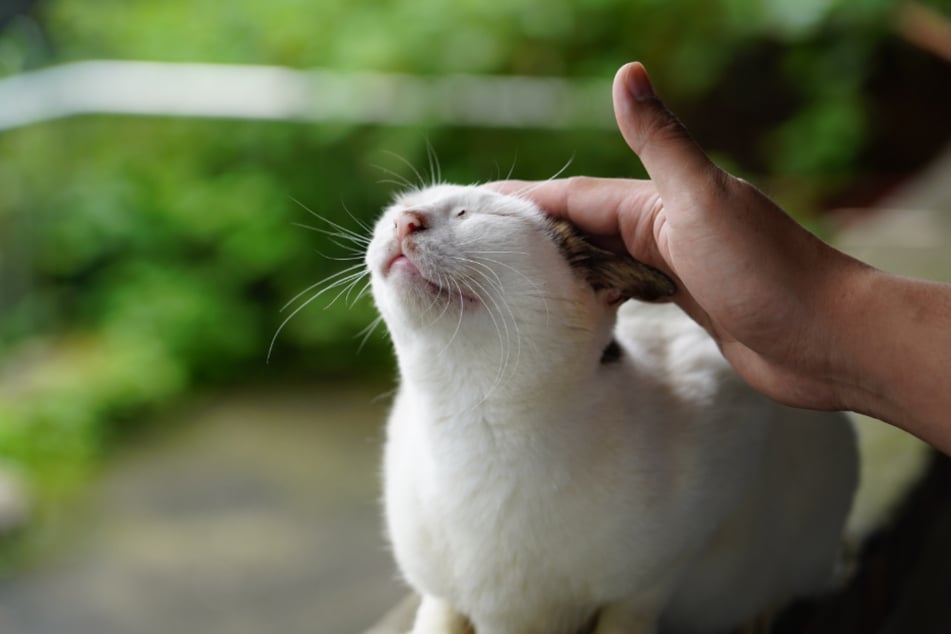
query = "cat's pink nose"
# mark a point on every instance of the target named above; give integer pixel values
(410, 222)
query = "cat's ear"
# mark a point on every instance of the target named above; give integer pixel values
(616, 277)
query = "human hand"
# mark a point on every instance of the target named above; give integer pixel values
(767, 290)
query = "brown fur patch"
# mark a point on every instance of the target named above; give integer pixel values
(604, 269)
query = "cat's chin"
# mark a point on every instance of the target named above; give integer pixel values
(415, 291)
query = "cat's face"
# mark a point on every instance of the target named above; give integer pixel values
(450, 251)
(459, 260)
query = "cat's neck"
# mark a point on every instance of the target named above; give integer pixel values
(462, 374)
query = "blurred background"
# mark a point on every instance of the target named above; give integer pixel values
(159, 163)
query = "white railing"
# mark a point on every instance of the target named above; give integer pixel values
(272, 92)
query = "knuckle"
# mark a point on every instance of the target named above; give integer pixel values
(719, 188)
(580, 183)
(721, 184)
(662, 129)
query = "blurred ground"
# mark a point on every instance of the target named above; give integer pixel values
(257, 513)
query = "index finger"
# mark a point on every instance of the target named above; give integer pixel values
(595, 205)
(619, 212)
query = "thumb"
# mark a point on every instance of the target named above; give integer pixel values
(671, 157)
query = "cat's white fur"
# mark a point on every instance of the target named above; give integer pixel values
(531, 488)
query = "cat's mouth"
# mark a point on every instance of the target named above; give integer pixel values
(401, 264)
(400, 261)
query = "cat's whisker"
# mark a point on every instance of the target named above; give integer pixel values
(333, 280)
(531, 187)
(346, 243)
(480, 252)
(350, 284)
(363, 292)
(486, 268)
(505, 342)
(288, 319)
(436, 299)
(563, 169)
(346, 282)
(512, 168)
(349, 258)
(489, 303)
(352, 299)
(419, 177)
(443, 282)
(401, 184)
(355, 252)
(462, 310)
(348, 236)
(398, 179)
(435, 171)
(508, 175)
(366, 332)
(483, 267)
(345, 231)
(367, 229)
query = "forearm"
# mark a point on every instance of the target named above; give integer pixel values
(896, 353)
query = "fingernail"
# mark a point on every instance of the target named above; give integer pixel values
(638, 83)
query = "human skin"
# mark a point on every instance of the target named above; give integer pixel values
(800, 321)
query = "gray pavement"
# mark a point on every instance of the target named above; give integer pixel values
(249, 512)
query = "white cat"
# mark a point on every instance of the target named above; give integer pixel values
(555, 464)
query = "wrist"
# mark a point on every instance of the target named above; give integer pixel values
(895, 347)
(853, 352)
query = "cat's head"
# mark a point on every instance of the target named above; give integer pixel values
(466, 263)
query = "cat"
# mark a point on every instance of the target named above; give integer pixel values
(559, 459)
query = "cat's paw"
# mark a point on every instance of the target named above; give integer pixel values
(436, 616)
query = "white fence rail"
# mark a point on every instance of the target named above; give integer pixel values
(277, 93)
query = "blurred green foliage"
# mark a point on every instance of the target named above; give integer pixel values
(144, 257)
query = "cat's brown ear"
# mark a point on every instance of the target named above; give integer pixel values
(621, 277)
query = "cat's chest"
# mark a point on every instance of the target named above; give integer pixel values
(486, 524)
(472, 505)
